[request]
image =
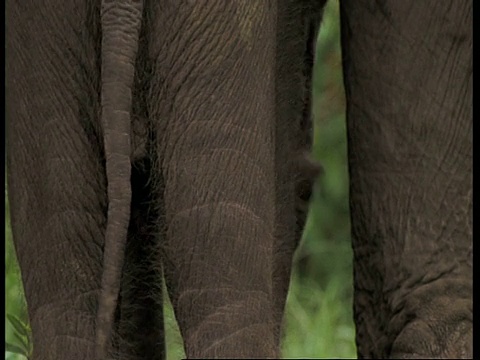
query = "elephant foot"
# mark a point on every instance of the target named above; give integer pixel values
(420, 340)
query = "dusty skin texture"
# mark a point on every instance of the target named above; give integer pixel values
(220, 177)
(408, 82)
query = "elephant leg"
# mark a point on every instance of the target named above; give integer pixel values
(56, 181)
(213, 100)
(141, 304)
(408, 81)
(295, 173)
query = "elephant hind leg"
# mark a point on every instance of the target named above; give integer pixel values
(56, 182)
(295, 171)
(213, 100)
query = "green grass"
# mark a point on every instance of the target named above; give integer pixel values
(317, 322)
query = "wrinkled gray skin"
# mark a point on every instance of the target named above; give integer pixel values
(218, 94)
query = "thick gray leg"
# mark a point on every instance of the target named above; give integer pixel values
(55, 173)
(213, 98)
(408, 80)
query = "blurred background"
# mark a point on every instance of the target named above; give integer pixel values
(318, 318)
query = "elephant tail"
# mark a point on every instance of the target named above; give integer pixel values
(120, 24)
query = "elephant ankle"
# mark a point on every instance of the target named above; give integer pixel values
(434, 340)
(434, 321)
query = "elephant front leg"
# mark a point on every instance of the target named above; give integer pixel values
(213, 71)
(408, 81)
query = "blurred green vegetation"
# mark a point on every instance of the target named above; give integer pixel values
(318, 319)
(319, 312)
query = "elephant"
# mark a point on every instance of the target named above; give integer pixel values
(151, 139)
